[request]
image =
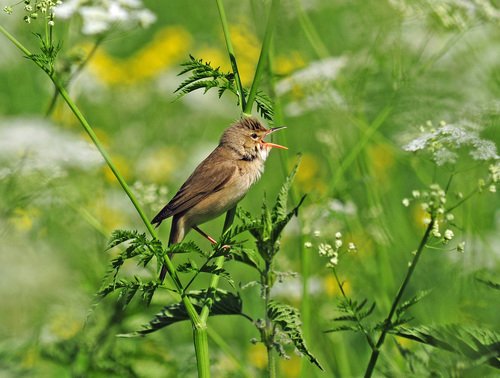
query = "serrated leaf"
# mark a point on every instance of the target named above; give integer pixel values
(413, 300)
(248, 257)
(214, 269)
(342, 328)
(345, 318)
(224, 303)
(489, 283)
(279, 210)
(472, 342)
(288, 320)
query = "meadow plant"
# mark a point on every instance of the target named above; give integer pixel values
(201, 284)
(442, 146)
(281, 323)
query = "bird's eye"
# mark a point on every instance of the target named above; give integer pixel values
(254, 136)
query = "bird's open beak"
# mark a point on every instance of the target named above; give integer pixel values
(269, 144)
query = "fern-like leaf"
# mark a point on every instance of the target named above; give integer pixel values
(287, 318)
(477, 344)
(224, 303)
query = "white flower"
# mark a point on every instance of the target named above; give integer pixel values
(448, 234)
(317, 71)
(445, 139)
(325, 249)
(338, 235)
(461, 247)
(333, 261)
(406, 202)
(338, 243)
(99, 17)
(492, 188)
(307, 244)
(36, 144)
(351, 247)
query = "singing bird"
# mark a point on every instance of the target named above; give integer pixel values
(221, 180)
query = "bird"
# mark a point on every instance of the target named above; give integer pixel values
(220, 181)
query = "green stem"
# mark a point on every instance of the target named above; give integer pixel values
(269, 330)
(264, 51)
(388, 321)
(201, 348)
(232, 57)
(201, 342)
(219, 263)
(310, 32)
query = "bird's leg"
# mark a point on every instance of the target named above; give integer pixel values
(211, 239)
(204, 234)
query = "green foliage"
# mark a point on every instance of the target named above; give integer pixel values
(47, 58)
(481, 345)
(268, 228)
(287, 318)
(204, 76)
(223, 303)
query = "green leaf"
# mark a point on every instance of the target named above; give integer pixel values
(224, 303)
(214, 269)
(489, 283)
(248, 257)
(479, 344)
(288, 320)
(407, 304)
(279, 210)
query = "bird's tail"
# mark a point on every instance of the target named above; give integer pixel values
(177, 234)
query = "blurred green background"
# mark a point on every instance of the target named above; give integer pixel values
(353, 80)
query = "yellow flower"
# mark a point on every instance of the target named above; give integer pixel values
(159, 164)
(22, 219)
(258, 355)
(216, 58)
(381, 157)
(290, 368)
(110, 218)
(121, 165)
(307, 177)
(247, 50)
(332, 288)
(64, 326)
(168, 47)
(286, 64)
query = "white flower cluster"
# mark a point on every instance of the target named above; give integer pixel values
(34, 145)
(150, 195)
(443, 141)
(494, 176)
(451, 13)
(332, 251)
(433, 201)
(99, 16)
(314, 83)
(35, 9)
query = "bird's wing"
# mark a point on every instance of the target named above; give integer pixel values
(206, 179)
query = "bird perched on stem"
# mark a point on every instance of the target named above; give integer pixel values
(220, 181)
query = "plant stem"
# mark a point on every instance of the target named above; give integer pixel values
(310, 31)
(232, 57)
(388, 321)
(264, 51)
(199, 327)
(269, 330)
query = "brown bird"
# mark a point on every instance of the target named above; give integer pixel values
(220, 181)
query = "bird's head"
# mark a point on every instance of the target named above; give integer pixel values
(247, 138)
